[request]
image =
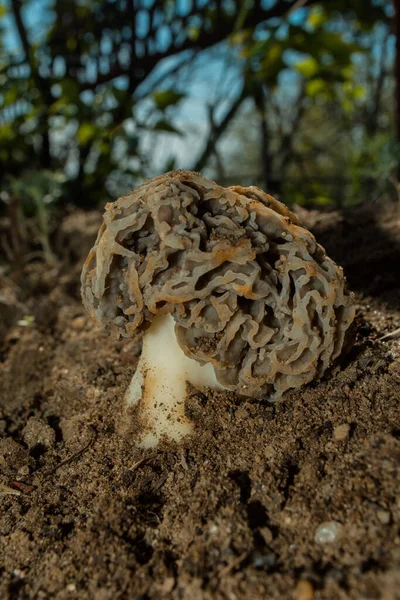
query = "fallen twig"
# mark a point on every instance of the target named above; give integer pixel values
(25, 488)
(5, 491)
(139, 463)
(235, 563)
(71, 458)
(393, 335)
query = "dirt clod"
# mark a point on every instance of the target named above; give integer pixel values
(341, 432)
(37, 433)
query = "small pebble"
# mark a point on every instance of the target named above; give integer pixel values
(267, 534)
(78, 323)
(167, 586)
(328, 532)
(341, 432)
(304, 591)
(23, 471)
(261, 560)
(383, 516)
(269, 452)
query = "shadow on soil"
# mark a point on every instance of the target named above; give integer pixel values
(365, 241)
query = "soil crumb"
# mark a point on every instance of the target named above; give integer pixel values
(296, 500)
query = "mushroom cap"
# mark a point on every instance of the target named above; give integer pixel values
(249, 288)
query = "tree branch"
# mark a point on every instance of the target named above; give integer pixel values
(163, 76)
(260, 99)
(40, 83)
(218, 130)
(286, 149)
(396, 24)
(205, 40)
(372, 121)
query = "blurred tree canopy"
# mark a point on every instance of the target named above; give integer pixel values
(92, 94)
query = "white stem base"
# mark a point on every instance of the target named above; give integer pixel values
(159, 384)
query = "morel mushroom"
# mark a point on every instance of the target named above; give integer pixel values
(228, 287)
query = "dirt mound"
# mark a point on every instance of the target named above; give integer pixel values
(295, 500)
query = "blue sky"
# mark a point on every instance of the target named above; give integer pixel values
(192, 116)
(36, 17)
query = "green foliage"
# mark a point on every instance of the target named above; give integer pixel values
(338, 115)
(80, 97)
(38, 192)
(321, 56)
(165, 98)
(68, 99)
(167, 127)
(373, 167)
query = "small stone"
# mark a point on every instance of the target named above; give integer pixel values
(341, 432)
(23, 471)
(166, 587)
(328, 532)
(383, 516)
(269, 452)
(78, 323)
(304, 591)
(37, 433)
(261, 560)
(267, 535)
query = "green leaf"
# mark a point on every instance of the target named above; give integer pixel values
(194, 33)
(242, 16)
(308, 67)
(86, 132)
(71, 44)
(164, 125)
(119, 94)
(358, 92)
(70, 90)
(272, 64)
(165, 98)
(241, 37)
(6, 131)
(315, 87)
(323, 200)
(10, 97)
(258, 48)
(317, 17)
(104, 148)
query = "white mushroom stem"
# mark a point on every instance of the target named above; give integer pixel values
(158, 386)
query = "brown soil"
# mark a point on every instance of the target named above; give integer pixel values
(235, 512)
